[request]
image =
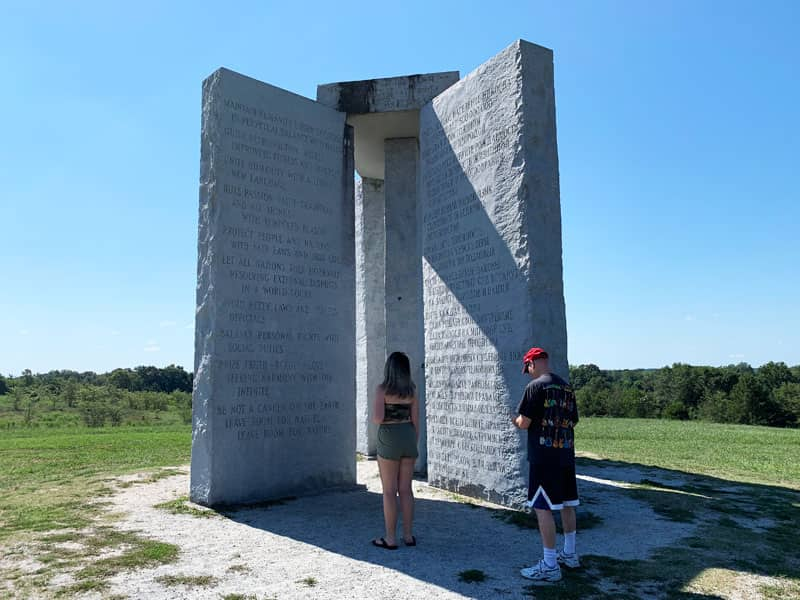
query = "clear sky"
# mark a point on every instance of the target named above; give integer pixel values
(679, 145)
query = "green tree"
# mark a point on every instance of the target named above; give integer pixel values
(33, 399)
(3, 386)
(593, 398)
(581, 375)
(716, 406)
(787, 396)
(175, 378)
(69, 393)
(16, 398)
(114, 405)
(752, 403)
(122, 379)
(774, 375)
(92, 407)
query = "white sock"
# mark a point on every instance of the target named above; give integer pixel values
(569, 542)
(549, 556)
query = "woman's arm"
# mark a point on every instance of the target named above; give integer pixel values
(378, 406)
(415, 414)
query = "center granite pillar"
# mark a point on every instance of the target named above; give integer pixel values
(403, 270)
(370, 306)
(384, 114)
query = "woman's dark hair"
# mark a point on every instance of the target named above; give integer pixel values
(397, 376)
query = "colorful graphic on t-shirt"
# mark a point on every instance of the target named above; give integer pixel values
(549, 402)
(556, 427)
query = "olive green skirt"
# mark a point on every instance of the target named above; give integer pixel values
(397, 440)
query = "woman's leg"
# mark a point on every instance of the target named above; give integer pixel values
(389, 473)
(407, 496)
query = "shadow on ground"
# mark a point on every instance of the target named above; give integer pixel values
(644, 532)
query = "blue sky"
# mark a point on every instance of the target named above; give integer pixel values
(679, 139)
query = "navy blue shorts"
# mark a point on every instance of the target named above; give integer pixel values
(552, 487)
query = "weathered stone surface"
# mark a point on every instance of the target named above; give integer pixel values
(273, 411)
(491, 228)
(381, 109)
(387, 94)
(370, 306)
(470, 218)
(403, 296)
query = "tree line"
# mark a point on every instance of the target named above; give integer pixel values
(767, 395)
(140, 379)
(144, 395)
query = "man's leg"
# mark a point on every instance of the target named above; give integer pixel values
(568, 519)
(547, 569)
(547, 527)
(569, 556)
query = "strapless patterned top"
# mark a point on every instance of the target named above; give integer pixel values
(396, 412)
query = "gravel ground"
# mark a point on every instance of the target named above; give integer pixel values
(318, 547)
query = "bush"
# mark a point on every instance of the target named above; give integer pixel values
(94, 414)
(676, 410)
(787, 396)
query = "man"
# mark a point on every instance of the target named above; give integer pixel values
(549, 412)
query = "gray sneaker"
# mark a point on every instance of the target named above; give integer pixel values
(568, 560)
(541, 572)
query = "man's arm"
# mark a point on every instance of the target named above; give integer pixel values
(523, 420)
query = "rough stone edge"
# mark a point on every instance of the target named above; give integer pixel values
(543, 158)
(205, 313)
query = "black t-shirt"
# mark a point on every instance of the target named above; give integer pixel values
(549, 403)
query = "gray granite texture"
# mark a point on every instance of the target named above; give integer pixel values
(491, 234)
(383, 109)
(370, 306)
(387, 94)
(273, 411)
(403, 296)
(450, 251)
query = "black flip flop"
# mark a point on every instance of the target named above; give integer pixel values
(382, 544)
(413, 541)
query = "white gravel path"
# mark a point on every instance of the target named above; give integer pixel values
(269, 552)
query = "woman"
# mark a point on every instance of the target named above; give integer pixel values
(396, 412)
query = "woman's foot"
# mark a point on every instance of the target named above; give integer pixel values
(410, 540)
(382, 543)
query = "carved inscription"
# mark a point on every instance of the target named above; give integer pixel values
(472, 286)
(279, 273)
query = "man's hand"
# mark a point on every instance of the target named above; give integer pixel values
(522, 422)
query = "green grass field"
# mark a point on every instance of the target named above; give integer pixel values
(52, 482)
(737, 452)
(47, 476)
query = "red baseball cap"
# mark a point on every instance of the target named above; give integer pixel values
(532, 355)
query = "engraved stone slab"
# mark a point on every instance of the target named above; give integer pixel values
(273, 411)
(491, 230)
